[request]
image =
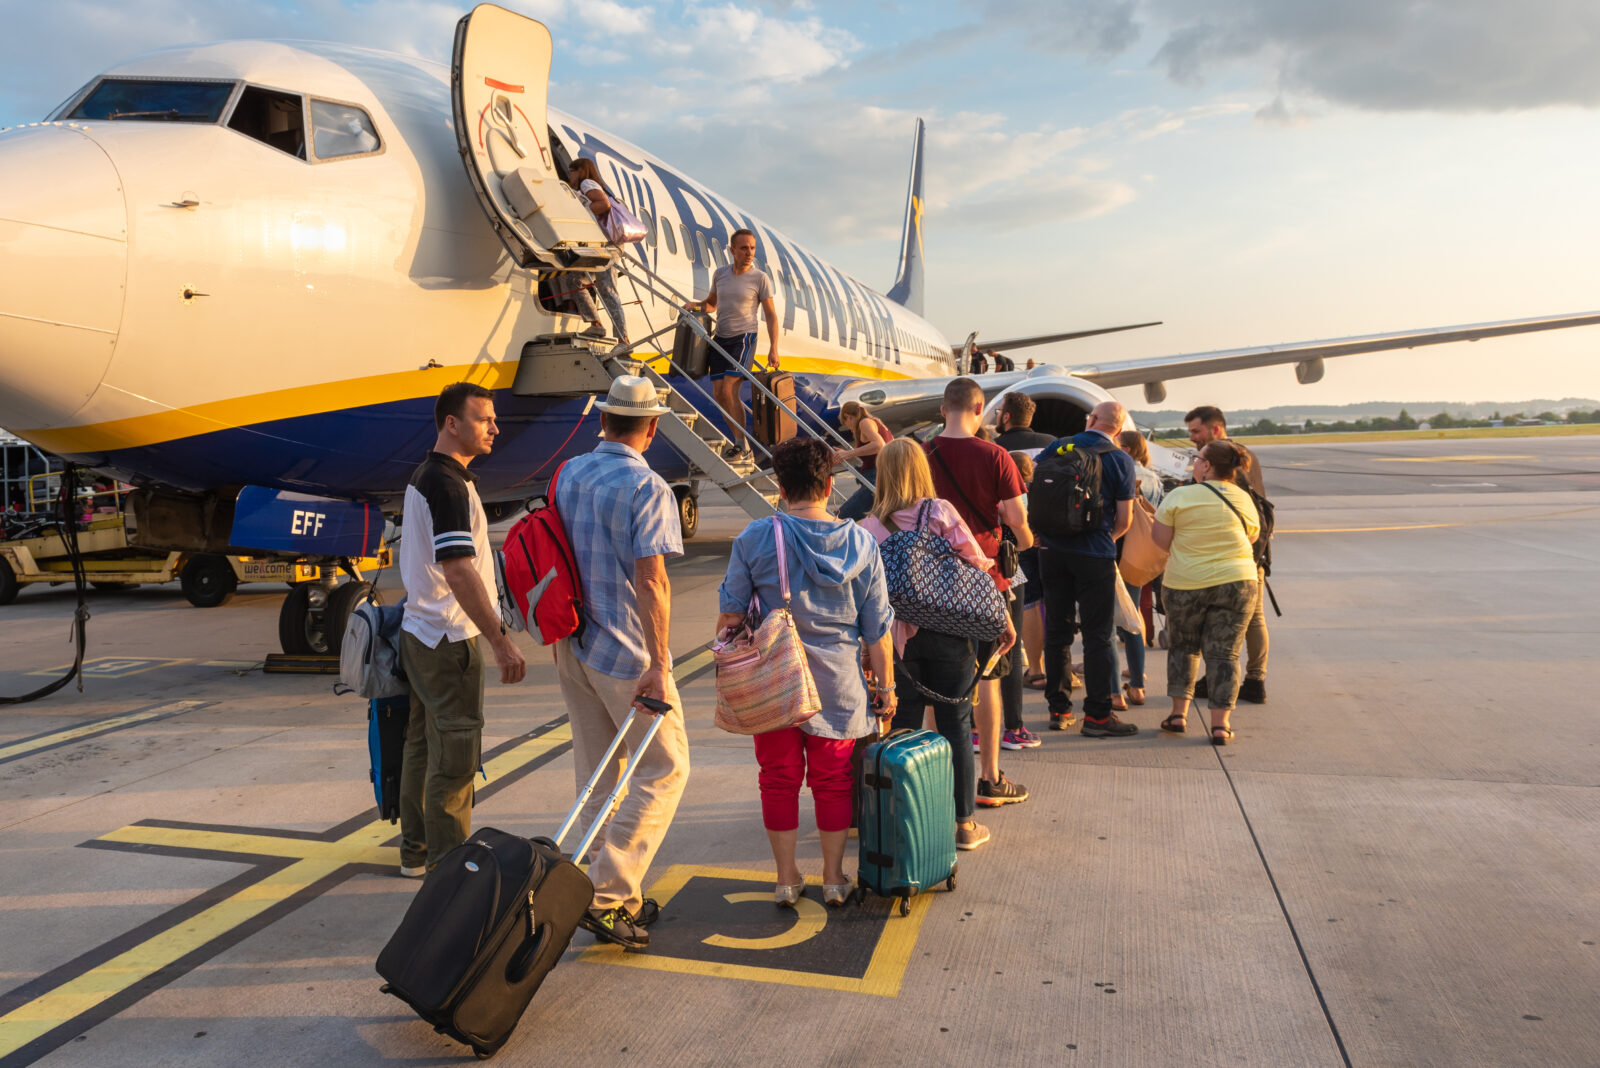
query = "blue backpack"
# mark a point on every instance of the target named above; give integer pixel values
(931, 586)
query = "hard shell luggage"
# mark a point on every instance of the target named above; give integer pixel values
(387, 719)
(908, 817)
(492, 919)
(771, 422)
(690, 350)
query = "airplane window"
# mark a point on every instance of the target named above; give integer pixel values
(688, 241)
(273, 118)
(649, 226)
(717, 251)
(341, 130)
(705, 253)
(666, 235)
(155, 100)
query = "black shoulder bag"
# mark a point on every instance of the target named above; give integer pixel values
(1245, 523)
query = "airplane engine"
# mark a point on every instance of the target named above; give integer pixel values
(1309, 371)
(1063, 400)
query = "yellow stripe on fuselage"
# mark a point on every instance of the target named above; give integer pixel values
(238, 412)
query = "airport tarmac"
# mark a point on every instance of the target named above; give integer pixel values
(1395, 865)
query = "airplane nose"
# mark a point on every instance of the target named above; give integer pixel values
(63, 271)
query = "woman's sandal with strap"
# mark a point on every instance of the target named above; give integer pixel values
(1221, 736)
(1174, 724)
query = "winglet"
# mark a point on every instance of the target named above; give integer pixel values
(907, 288)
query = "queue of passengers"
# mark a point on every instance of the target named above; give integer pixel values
(872, 673)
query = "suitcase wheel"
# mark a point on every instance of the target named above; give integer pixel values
(950, 883)
(905, 906)
(481, 1053)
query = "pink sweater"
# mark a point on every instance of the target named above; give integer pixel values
(943, 520)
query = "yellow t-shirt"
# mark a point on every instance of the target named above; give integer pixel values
(1209, 546)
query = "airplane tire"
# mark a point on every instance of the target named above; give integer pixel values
(208, 580)
(688, 514)
(8, 583)
(341, 602)
(295, 632)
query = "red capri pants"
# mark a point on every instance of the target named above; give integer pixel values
(790, 755)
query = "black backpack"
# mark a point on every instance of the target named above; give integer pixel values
(1262, 548)
(1065, 499)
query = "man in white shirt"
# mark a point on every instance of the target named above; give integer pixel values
(451, 596)
(736, 292)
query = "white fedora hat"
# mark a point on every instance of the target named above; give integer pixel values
(632, 395)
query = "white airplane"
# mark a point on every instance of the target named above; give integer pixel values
(238, 274)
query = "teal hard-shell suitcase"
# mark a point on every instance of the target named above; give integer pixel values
(908, 817)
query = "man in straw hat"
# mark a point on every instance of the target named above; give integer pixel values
(622, 522)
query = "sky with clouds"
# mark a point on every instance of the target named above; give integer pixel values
(1248, 171)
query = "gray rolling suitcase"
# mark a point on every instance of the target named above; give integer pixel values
(492, 919)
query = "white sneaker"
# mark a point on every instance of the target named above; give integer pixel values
(413, 873)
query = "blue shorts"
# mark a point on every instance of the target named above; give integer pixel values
(742, 347)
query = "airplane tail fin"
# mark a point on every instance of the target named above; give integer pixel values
(907, 288)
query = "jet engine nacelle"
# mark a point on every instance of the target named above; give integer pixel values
(1309, 371)
(1063, 401)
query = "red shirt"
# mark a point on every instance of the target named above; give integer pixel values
(985, 475)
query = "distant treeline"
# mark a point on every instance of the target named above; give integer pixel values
(1405, 421)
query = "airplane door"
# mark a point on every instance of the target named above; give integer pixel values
(498, 81)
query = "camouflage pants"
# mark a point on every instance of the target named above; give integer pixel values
(1208, 622)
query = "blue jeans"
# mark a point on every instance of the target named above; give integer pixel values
(1133, 647)
(859, 504)
(607, 287)
(1079, 593)
(944, 664)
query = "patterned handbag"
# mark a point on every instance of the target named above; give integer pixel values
(763, 680)
(931, 586)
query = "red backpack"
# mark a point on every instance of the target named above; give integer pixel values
(542, 574)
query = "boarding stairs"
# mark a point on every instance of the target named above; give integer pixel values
(579, 363)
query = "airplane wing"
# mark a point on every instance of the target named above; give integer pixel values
(1045, 339)
(1308, 356)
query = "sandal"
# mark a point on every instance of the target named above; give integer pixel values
(1174, 724)
(1034, 680)
(1221, 736)
(1131, 690)
(1118, 704)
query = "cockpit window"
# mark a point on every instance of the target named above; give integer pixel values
(155, 100)
(275, 118)
(341, 130)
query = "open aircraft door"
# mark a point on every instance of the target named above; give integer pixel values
(498, 81)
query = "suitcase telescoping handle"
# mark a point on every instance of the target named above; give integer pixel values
(616, 792)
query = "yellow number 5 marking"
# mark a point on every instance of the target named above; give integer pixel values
(809, 918)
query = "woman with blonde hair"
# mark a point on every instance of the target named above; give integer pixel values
(943, 663)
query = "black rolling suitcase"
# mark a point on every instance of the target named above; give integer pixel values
(491, 920)
(690, 350)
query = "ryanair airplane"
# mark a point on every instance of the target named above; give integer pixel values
(238, 274)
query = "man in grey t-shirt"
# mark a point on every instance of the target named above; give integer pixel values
(736, 292)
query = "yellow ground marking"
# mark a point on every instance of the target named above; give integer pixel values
(1439, 526)
(235, 412)
(117, 667)
(45, 741)
(313, 860)
(809, 918)
(1472, 458)
(693, 664)
(884, 972)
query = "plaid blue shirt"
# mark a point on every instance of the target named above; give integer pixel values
(615, 510)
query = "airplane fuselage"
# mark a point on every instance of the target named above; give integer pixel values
(240, 315)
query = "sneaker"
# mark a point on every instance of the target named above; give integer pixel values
(1254, 691)
(975, 747)
(971, 835)
(731, 451)
(1000, 792)
(649, 912)
(615, 925)
(1021, 738)
(1110, 727)
(413, 871)
(1062, 721)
